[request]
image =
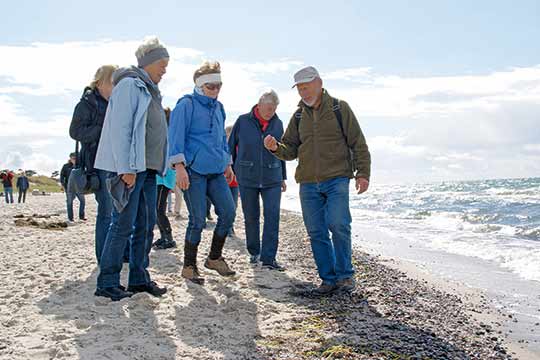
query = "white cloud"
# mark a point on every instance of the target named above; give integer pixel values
(471, 126)
(362, 74)
(534, 148)
(395, 96)
(395, 145)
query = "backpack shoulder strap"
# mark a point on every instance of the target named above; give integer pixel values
(337, 111)
(298, 116)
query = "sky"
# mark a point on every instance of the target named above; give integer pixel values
(443, 90)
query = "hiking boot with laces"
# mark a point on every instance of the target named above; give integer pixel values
(192, 274)
(220, 266)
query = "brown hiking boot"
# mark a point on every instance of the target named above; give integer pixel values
(191, 273)
(346, 285)
(220, 266)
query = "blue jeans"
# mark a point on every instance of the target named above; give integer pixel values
(216, 188)
(8, 193)
(271, 198)
(69, 202)
(325, 206)
(134, 225)
(104, 212)
(234, 194)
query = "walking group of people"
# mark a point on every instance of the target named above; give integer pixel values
(22, 184)
(140, 154)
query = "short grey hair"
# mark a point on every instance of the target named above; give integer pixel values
(269, 97)
(149, 43)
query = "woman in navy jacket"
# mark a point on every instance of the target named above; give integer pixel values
(260, 175)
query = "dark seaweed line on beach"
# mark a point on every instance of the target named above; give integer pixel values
(388, 316)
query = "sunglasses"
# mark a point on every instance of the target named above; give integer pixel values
(213, 86)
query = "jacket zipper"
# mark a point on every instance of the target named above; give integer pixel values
(258, 126)
(315, 147)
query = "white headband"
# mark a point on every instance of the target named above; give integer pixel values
(208, 78)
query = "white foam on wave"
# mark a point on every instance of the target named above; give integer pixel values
(460, 233)
(522, 258)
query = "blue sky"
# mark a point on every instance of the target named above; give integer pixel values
(443, 89)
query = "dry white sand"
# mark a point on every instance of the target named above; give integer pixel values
(48, 311)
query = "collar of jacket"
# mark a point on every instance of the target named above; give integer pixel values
(325, 101)
(92, 97)
(254, 118)
(142, 75)
(204, 100)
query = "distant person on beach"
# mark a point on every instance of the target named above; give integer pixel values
(327, 140)
(165, 184)
(260, 176)
(200, 155)
(22, 187)
(86, 126)
(7, 182)
(70, 196)
(133, 149)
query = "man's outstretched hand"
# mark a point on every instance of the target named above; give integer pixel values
(270, 143)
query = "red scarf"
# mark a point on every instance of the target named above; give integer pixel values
(264, 123)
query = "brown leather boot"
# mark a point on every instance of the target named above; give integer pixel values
(190, 271)
(219, 265)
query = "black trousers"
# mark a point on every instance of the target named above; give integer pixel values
(22, 194)
(162, 220)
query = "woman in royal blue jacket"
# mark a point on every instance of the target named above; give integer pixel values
(260, 175)
(198, 151)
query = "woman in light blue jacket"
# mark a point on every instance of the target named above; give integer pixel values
(198, 151)
(133, 149)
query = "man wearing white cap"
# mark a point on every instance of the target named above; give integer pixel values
(327, 140)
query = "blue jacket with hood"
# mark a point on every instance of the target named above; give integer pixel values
(197, 135)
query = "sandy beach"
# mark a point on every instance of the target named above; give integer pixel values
(48, 311)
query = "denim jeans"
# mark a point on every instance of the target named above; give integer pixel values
(216, 188)
(135, 224)
(104, 213)
(22, 196)
(234, 193)
(8, 193)
(271, 198)
(325, 206)
(163, 222)
(69, 202)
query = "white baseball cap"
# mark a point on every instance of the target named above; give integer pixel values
(305, 75)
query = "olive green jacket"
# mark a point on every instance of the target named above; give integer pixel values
(325, 152)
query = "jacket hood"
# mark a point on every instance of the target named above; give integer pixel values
(204, 100)
(134, 72)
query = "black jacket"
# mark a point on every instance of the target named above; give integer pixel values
(64, 174)
(86, 125)
(254, 166)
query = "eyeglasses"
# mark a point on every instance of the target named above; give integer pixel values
(213, 86)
